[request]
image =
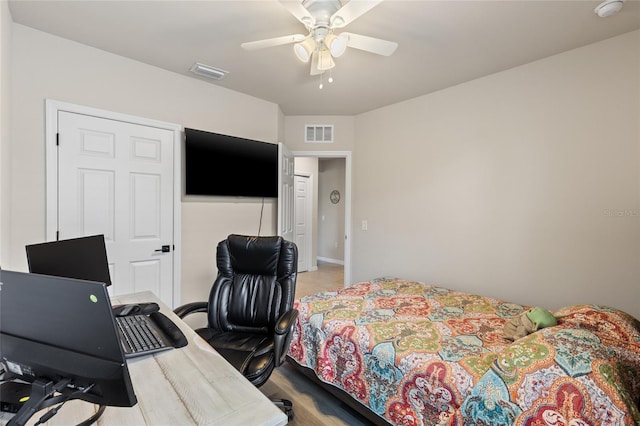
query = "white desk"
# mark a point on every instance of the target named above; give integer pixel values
(192, 385)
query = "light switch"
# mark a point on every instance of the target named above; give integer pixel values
(365, 225)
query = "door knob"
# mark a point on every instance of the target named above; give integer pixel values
(164, 249)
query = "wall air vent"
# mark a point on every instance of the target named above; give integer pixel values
(318, 133)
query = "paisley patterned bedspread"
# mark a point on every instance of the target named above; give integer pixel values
(417, 354)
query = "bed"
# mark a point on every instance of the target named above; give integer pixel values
(407, 353)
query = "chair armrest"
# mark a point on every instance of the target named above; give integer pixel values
(285, 322)
(190, 308)
(283, 333)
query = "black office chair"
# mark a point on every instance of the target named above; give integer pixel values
(250, 310)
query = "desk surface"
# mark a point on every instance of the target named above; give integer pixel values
(192, 385)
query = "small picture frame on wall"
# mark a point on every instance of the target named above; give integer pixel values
(334, 196)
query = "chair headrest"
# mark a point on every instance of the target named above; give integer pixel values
(255, 255)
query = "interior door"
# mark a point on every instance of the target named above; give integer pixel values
(285, 193)
(302, 214)
(116, 178)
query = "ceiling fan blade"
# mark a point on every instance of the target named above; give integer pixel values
(270, 42)
(298, 10)
(351, 11)
(370, 44)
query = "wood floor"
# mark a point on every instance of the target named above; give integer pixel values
(328, 276)
(312, 405)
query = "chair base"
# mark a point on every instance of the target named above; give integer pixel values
(286, 406)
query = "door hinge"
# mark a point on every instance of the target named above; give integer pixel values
(57, 139)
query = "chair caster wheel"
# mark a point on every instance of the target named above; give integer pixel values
(288, 409)
(286, 406)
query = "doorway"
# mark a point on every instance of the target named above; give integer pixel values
(344, 199)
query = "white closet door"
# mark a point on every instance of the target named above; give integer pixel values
(302, 213)
(116, 178)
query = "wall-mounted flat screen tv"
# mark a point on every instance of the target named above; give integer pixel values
(217, 164)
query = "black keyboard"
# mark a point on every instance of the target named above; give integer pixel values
(139, 335)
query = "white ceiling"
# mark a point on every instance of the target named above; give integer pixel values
(441, 43)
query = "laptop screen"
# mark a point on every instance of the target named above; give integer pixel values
(82, 258)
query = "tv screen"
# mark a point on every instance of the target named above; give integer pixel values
(218, 164)
(61, 330)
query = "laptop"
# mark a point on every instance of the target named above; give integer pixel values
(85, 258)
(56, 329)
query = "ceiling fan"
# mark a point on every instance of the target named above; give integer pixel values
(321, 43)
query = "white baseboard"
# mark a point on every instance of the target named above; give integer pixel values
(328, 260)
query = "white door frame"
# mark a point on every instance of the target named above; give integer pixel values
(347, 202)
(52, 108)
(286, 202)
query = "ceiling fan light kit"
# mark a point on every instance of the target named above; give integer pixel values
(608, 8)
(337, 44)
(325, 61)
(321, 18)
(304, 49)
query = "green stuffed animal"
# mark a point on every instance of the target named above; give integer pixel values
(528, 322)
(541, 318)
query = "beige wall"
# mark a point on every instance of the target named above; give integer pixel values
(45, 66)
(330, 243)
(522, 185)
(5, 121)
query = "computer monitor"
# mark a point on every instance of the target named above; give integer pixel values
(61, 332)
(84, 258)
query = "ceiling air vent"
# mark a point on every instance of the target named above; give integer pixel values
(208, 71)
(318, 133)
